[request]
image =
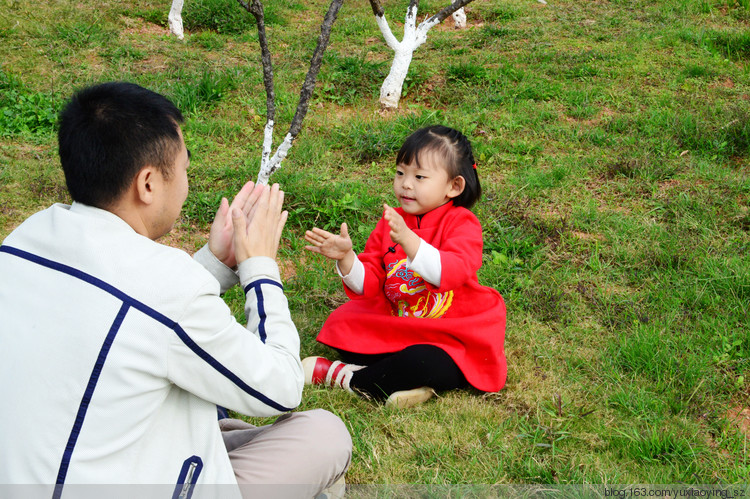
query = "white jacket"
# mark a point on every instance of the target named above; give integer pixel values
(115, 351)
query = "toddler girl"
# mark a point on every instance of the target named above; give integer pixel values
(418, 320)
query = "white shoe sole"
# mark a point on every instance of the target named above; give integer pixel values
(410, 398)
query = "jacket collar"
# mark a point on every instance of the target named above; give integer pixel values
(92, 211)
(428, 219)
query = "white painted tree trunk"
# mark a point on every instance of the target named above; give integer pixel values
(459, 17)
(390, 91)
(175, 19)
(268, 163)
(414, 36)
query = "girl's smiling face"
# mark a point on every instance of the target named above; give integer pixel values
(425, 186)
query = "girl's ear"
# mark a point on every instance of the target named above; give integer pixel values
(458, 184)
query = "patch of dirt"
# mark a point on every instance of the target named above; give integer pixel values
(20, 150)
(608, 202)
(687, 185)
(591, 122)
(336, 113)
(152, 64)
(149, 29)
(740, 417)
(585, 236)
(668, 185)
(287, 269)
(726, 83)
(188, 238)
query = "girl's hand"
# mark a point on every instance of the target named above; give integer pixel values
(333, 246)
(400, 233)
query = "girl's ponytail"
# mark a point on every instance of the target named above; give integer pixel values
(467, 168)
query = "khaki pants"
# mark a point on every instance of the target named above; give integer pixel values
(297, 456)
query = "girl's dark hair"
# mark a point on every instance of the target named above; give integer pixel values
(454, 148)
(108, 132)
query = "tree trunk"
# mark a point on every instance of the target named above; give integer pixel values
(390, 91)
(175, 19)
(459, 17)
(414, 36)
(268, 163)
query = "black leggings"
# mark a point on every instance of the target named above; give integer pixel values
(412, 367)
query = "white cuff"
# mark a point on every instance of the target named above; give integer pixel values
(258, 267)
(355, 279)
(226, 276)
(426, 263)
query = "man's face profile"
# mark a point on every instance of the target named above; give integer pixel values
(173, 193)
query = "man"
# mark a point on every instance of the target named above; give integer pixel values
(115, 350)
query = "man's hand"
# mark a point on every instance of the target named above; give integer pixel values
(333, 246)
(261, 236)
(221, 237)
(400, 233)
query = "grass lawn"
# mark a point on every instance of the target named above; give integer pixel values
(613, 144)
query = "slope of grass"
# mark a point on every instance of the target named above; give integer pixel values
(613, 145)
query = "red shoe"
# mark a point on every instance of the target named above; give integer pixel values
(315, 369)
(321, 371)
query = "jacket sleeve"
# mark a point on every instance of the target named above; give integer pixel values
(372, 259)
(254, 370)
(226, 276)
(355, 279)
(427, 263)
(460, 251)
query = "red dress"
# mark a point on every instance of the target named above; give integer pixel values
(399, 309)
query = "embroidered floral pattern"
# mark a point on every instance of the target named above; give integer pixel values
(409, 296)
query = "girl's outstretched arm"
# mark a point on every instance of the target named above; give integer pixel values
(334, 246)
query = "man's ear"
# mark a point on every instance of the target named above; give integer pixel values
(144, 184)
(458, 185)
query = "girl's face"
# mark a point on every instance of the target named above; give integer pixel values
(422, 188)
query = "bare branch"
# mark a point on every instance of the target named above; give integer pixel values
(385, 29)
(377, 9)
(268, 163)
(414, 36)
(457, 4)
(410, 23)
(256, 9)
(309, 85)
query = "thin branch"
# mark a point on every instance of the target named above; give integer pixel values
(377, 9)
(315, 62)
(440, 16)
(268, 163)
(385, 29)
(410, 23)
(256, 9)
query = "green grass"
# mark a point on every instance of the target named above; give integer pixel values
(613, 144)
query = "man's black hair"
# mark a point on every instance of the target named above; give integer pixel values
(108, 133)
(455, 150)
